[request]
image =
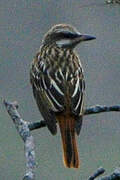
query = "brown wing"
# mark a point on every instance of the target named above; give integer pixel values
(77, 97)
(47, 92)
(42, 101)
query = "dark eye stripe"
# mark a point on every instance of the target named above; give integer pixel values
(66, 35)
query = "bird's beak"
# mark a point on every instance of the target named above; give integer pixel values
(78, 38)
(84, 37)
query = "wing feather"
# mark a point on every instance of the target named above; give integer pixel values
(77, 97)
(47, 82)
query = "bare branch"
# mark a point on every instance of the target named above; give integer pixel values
(92, 110)
(24, 132)
(112, 1)
(36, 125)
(114, 176)
(99, 171)
(99, 109)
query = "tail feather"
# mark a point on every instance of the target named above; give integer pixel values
(70, 152)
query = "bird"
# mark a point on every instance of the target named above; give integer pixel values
(58, 84)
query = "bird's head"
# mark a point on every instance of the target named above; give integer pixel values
(65, 36)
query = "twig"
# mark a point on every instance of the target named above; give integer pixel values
(36, 125)
(24, 132)
(112, 1)
(114, 176)
(92, 110)
(99, 171)
(99, 109)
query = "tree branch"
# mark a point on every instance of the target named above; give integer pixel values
(24, 128)
(91, 110)
(99, 171)
(99, 109)
(114, 176)
(24, 132)
(112, 1)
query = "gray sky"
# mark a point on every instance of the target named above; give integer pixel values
(22, 26)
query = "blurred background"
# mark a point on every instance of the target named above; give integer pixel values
(22, 26)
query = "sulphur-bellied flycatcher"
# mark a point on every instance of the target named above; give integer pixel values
(58, 84)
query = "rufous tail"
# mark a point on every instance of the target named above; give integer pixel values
(70, 152)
